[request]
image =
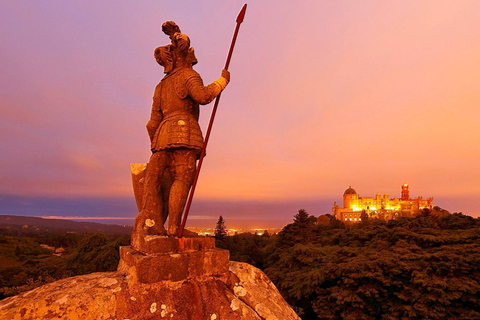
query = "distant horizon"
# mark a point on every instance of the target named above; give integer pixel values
(204, 213)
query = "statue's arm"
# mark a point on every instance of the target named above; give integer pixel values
(205, 94)
(156, 115)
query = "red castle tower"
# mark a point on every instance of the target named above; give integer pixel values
(405, 195)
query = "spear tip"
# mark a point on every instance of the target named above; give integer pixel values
(241, 15)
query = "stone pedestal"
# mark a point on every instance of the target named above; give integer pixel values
(174, 259)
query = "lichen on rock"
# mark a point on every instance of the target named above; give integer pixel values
(245, 293)
(90, 296)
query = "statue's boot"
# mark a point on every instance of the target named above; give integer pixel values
(146, 223)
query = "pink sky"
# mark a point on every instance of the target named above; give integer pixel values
(324, 94)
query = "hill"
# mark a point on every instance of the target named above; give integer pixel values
(36, 224)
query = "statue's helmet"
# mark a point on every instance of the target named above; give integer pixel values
(170, 28)
(164, 57)
(191, 59)
(182, 42)
(180, 47)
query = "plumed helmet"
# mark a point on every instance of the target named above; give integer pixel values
(170, 28)
(163, 55)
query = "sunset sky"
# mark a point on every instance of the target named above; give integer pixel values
(323, 95)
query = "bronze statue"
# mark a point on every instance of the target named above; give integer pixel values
(176, 138)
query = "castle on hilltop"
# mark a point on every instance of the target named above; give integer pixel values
(381, 207)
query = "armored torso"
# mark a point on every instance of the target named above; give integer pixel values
(176, 99)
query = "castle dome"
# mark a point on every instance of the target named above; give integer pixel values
(350, 190)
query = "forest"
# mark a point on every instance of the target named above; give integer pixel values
(28, 260)
(422, 267)
(425, 266)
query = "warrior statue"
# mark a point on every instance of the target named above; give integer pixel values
(176, 138)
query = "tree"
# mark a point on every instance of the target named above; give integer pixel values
(301, 218)
(323, 220)
(220, 229)
(364, 217)
(302, 230)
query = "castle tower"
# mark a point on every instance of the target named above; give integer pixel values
(405, 195)
(350, 198)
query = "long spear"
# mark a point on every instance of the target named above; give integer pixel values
(240, 17)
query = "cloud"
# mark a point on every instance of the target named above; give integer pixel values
(368, 94)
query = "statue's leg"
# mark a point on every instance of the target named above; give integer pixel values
(149, 220)
(166, 185)
(183, 174)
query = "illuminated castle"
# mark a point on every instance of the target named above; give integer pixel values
(381, 207)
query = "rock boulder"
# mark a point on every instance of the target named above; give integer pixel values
(244, 292)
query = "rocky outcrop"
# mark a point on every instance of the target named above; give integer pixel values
(244, 292)
(90, 296)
